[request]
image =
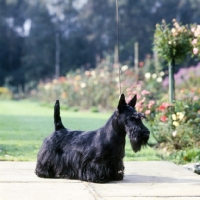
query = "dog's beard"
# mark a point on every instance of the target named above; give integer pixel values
(135, 144)
(137, 140)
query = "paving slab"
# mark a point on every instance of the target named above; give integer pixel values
(148, 180)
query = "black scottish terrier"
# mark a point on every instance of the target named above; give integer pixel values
(95, 156)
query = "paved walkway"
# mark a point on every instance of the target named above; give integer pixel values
(153, 180)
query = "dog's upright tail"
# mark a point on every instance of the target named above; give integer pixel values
(57, 119)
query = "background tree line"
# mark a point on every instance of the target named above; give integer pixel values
(36, 36)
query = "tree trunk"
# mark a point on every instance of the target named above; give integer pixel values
(136, 59)
(57, 55)
(171, 81)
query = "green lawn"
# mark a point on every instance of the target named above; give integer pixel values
(24, 125)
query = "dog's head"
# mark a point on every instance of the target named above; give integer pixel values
(131, 121)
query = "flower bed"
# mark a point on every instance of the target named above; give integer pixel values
(175, 127)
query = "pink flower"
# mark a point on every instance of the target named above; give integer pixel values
(163, 118)
(144, 92)
(138, 96)
(147, 112)
(195, 98)
(195, 50)
(139, 106)
(194, 41)
(143, 100)
(128, 90)
(193, 29)
(151, 103)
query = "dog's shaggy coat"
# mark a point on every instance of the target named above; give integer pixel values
(95, 156)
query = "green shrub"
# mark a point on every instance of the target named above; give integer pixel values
(184, 156)
(94, 109)
(5, 93)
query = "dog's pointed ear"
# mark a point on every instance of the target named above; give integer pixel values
(133, 101)
(122, 103)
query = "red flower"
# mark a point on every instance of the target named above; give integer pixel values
(163, 118)
(163, 106)
(62, 79)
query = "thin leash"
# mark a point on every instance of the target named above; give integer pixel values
(117, 21)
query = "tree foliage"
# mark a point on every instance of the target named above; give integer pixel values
(87, 33)
(173, 43)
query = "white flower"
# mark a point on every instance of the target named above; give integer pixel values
(173, 30)
(102, 74)
(180, 115)
(83, 85)
(175, 123)
(162, 73)
(47, 86)
(147, 75)
(93, 73)
(159, 79)
(95, 82)
(174, 133)
(174, 116)
(154, 76)
(117, 79)
(55, 81)
(124, 67)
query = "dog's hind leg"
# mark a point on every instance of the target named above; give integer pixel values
(57, 119)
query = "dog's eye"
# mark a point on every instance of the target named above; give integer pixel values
(133, 117)
(138, 116)
(142, 116)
